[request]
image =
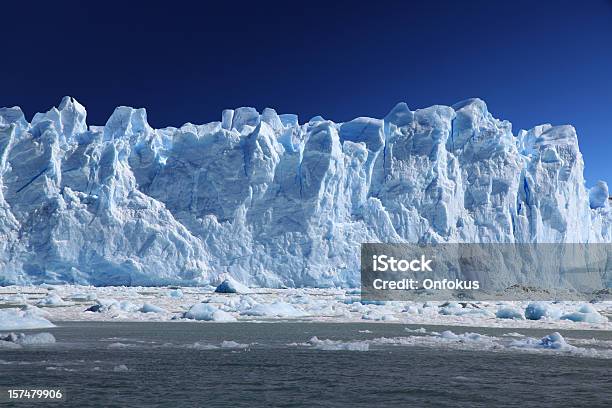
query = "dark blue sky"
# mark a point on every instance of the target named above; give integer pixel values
(532, 61)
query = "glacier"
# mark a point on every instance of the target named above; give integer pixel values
(272, 202)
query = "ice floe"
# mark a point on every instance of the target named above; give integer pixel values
(207, 312)
(553, 343)
(15, 319)
(339, 345)
(307, 304)
(16, 340)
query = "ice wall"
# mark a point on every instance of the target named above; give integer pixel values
(273, 202)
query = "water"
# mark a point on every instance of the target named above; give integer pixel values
(164, 372)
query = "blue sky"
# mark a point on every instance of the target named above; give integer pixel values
(532, 62)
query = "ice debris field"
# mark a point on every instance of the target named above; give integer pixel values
(273, 201)
(45, 307)
(36, 307)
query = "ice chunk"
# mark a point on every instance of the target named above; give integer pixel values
(509, 313)
(53, 300)
(126, 122)
(540, 310)
(15, 319)
(230, 344)
(276, 309)
(175, 293)
(231, 285)
(14, 116)
(109, 305)
(554, 341)
(420, 330)
(149, 308)
(207, 312)
(366, 130)
(335, 345)
(586, 313)
(245, 116)
(598, 195)
(82, 297)
(28, 339)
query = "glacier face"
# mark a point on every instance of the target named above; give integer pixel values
(272, 202)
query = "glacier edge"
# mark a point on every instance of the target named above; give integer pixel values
(273, 202)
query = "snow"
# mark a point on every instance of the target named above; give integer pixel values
(15, 319)
(275, 203)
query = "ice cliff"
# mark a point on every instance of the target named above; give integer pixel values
(273, 202)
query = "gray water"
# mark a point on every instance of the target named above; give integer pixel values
(164, 372)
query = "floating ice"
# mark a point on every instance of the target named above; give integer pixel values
(334, 345)
(52, 300)
(552, 341)
(540, 310)
(586, 313)
(456, 309)
(113, 305)
(509, 313)
(149, 308)
(276, 309)
(207, 312)
(175, 293)
(420, 330)
(82, 297)
(230, 285)
(14, 340)
(29, 339)
(230, 344)
(15, 319)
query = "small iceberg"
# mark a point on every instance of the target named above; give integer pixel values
(586, 313)
(336, 345)
(14, 340)
(230, 285)
(276, 309)
(15, 319)
(149, 308)
(209, 313)
(540, 310)
(509, 313)
(53, 300)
